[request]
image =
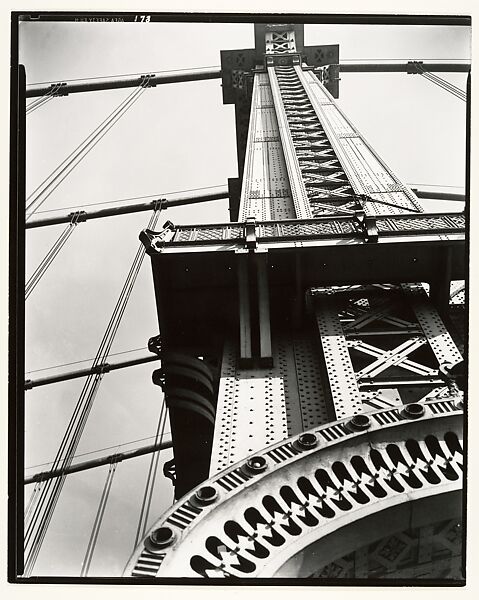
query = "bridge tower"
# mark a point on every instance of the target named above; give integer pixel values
(311, 368)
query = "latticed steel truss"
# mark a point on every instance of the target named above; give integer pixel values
(327, 186)
(382, 345)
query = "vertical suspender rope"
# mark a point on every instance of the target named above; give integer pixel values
(40, 517)
(156, 459)
(43, 99)
(442, 83)
(150, 479)
(50, 184)
(98, 519)
(32, 500)
(50, 256)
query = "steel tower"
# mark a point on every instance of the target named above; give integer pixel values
(311, 359)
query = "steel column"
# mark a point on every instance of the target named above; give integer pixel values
(244, 309)
(298, 190)
(263, 308)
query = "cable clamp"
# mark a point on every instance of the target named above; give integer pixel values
(145, 80)
(155, 240)
(413, 67)
(102, 368)
(158, 204)
(250, 233)
(367, 225)
(80, 216)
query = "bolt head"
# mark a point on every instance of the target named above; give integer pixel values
(359, 423)
(206, 494)
(159, 539)
(307, 441)
(413, 411)
(256, 464)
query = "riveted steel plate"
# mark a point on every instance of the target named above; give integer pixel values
(313, 404)
(458, 292)
(298, 190)
(438, 337)
(265, 190)
(251, 411)
(341, 377)
(257, 407)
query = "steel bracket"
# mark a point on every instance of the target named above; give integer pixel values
(250, 233)
(155, 345)
(145, 80)
(79, 216)
(59, 89)
(412, 67)
(254, 309)
(368, 226)
(155, 240)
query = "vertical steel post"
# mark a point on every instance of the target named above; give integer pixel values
(265, 352)
(244, 310)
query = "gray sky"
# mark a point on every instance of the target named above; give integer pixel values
(176, 137)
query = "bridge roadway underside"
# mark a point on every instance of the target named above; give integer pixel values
(196, 283)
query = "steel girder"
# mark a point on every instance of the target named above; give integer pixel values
(316, 204)
(285, 510)
(382, 345)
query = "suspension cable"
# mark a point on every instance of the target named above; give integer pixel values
(32, 499)
(455, 91)
(50, 256)
(40, 516)
(447, 84)
(47, 187)
(442, 83)
(98, 520)
(43, 99)
(42, 192)
(156, 458)
(150, 479)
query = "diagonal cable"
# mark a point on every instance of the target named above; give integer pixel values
(43, 191)
(50, 256)
(47, 499)
(98, 520)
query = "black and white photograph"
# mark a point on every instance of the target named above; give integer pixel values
(239, 298)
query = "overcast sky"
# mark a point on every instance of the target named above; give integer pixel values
(177, 137)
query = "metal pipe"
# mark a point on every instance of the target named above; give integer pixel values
(131, 208)
(406, 67)
(439, 195)
(104, 367)
(110, 83)
(99, 462)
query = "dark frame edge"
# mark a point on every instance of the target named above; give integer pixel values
(16, 310)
